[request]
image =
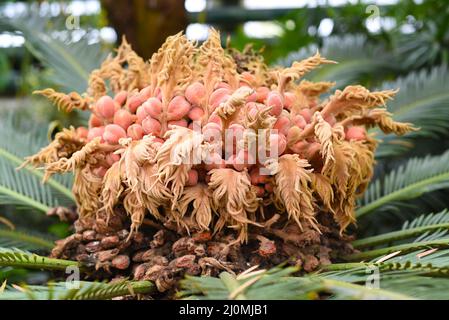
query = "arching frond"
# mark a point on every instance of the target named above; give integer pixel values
(423, 100)
(85, 291)
(21, 239)
(19, 141)
(425, 227)
(70, 63)
(22, 259)
(416, 177)
(276, 284)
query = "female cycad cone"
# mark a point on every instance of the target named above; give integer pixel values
(158, 147)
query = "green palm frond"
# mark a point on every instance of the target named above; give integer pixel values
(423, 100)
(423, 262)
(85, 291)
(27, 240)
(22, 259)
(277, 284)
(435, 225)
(404, 248)
(355, 56)
(268, 285)
(70, 62)
(24, 190)
(410, 180)
(24, 187)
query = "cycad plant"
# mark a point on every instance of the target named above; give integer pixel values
(227, 232)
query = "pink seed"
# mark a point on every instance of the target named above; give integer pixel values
(289, 99)
(223, 85)
(124, 118)
(180, 123)
(141, 114)
(282, 125)
(262, 93)
(355, 133)
(134, 102)
(217, 97)
(275, 100)
(82, 132)
(135, 131)
(299, 147)
(153, 107)
(195, 113)
(145, 93)
(111, 158)
(105, 107)
(95, 132)
(299, 121)
(307, 114)
(215, 118)
(192, 178)
(278, 141)
(151, 126)
(331, 119)
(100, 171)
(113, 133)
(195, 93)
(248, 77)
(94, 121)
(120, 97)
(178, 108)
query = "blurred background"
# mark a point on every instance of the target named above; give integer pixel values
(380, 44)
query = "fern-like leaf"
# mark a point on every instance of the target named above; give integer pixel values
(423, 100)
(276, 284)
(21, 259)
(84, 291)
(70, 62)
(26, 240)
(24, 188)
(416, 177)
(425, 227)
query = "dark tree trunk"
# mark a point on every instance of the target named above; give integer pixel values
(146, 23)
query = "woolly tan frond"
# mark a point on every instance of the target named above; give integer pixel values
(170, 67)
(86, 189)
(65, 102)
(314, 89)
(97, 86)
(323, 131)
(63, 145)
(182, 149)
(135, 209)
(233, 198)
(77, 160)
(322, 186)
(292, 176)
(112, 188)
(199, 197)
(355, 99)
(229, 109)
(383, 119)
(300, 68)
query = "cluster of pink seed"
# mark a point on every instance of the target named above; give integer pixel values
(136, 114)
